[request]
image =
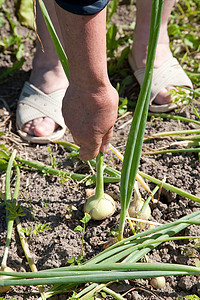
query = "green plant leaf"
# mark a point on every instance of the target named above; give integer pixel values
(11, 70)
(191, 41)
(111, 40)
(2, 20)
(173, 29)
(3, 165)
(3, 155)
(136, 134)
(1, 2)
(192, 297)
(123, 106)
(86, 218)
(26, 14)
(111, 9)
(78, 228)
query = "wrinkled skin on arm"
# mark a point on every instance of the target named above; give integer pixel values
(90, 104)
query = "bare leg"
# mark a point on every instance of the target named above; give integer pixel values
(90, 104)
(47, 73)
(141, 37)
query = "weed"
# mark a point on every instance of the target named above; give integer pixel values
(14, 209)
(26, 231)
(17, 65)
(75, 261)
(116, 38)
(114, 232)
(182, 27)
(192, 249)
(191, 297)
(53, 159)
(84, 220)
(186, 97)
(13, 42)
(39, 228)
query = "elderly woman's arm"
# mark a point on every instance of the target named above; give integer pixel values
(90, 105)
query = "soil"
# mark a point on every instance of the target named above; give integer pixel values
(46, 199)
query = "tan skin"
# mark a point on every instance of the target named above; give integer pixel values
(90, 104)
(141, 39)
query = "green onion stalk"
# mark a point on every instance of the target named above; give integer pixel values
(136, 134)
(170, 187)
(100, 205)
(118, 262)
(184, 150)
(109, 170)
(45, 169)
(9, 219)
(8, 201)
(168, 116)
(174, 133)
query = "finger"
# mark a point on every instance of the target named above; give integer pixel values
(88, 152)
(106, 140)
(76, 141)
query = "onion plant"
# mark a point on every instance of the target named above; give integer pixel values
(134, 143)
(120, 261)
(100, 205)
(9, 221)
(9, 202)
(174, 117)
(135, 138)
(175, 150)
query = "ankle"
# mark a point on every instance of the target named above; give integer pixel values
(49, 79)
(140, 48)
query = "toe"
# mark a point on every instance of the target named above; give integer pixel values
(40, 127)
(45, 127)
(163, 97)
(28, 128)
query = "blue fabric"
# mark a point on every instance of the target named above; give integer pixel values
(83, 7)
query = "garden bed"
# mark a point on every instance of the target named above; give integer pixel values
(47, 199)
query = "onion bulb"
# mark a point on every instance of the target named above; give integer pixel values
(136, 206)
(158, 282)
(100, 208)
(4, 289)
(100, 205)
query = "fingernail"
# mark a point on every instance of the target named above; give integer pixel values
(105, 149)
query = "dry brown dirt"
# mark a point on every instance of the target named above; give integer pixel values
(44, 199)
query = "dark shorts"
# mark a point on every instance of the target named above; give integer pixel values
(83, 7)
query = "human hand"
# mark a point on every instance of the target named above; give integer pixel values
(90, 115)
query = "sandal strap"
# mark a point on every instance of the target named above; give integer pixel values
(169, 74)
(37, 104)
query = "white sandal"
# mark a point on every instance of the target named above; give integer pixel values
(36, 104)
(169, 74)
